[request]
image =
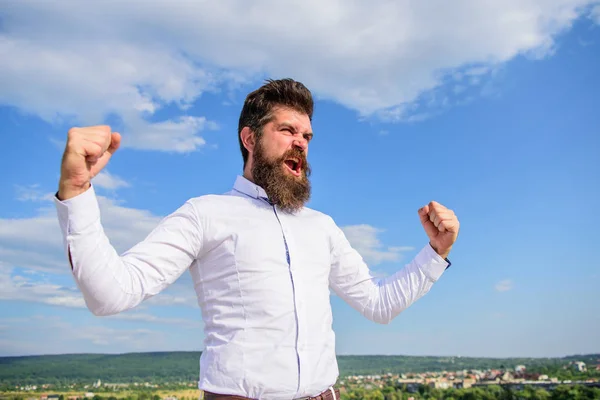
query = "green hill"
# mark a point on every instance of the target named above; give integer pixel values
(184, 366)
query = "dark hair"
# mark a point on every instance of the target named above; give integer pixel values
(259, 105)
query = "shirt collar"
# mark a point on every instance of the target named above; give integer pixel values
(249, 188)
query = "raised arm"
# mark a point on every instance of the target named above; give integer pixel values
(111, 283)
(382, 299)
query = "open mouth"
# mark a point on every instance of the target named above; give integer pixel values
(294, 165)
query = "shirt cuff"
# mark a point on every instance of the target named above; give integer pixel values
(77, 213)
(431, 263)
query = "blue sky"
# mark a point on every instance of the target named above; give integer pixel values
(488, 109)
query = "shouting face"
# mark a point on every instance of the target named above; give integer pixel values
(279, 163)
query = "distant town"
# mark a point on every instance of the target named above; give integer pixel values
(517, 379)
(409, 386)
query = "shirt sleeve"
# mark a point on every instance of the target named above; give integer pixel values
(381, 299)
(111, 283)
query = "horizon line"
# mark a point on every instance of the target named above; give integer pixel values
(337, 355)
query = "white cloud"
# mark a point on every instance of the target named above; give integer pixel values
(36, 242)
(504, 286)
(16, 287)
(387, 58)
(34, 258)
(42, 231)
(364, 239)
(595, 14)
(32, 193)
(142, 317)
(83, 83)
(106, 180)
(401, 248)
(54, 335)
(185, 296)
(34, 286)
(174, 135)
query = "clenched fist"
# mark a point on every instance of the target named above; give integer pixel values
(86, 153)
(441, 226)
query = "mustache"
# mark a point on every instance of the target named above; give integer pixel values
(300, 155)
(295, 153)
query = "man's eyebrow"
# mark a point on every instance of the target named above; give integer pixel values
(286, 125)
(292, 127)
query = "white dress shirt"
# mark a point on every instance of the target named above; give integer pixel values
(262, 277)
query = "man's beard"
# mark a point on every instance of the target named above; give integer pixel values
(287, 191)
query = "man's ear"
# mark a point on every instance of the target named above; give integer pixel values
(248, 139)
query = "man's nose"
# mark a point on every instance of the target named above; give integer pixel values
(301, 143)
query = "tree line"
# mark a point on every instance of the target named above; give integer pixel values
(163, 367)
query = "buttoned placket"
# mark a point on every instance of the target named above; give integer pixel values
(296, 283)
(289, 246)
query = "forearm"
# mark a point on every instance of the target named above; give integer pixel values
(382, 299)
(392, 295)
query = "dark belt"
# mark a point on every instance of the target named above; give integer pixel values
(326, 395)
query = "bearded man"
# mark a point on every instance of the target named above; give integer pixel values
(262, 263)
